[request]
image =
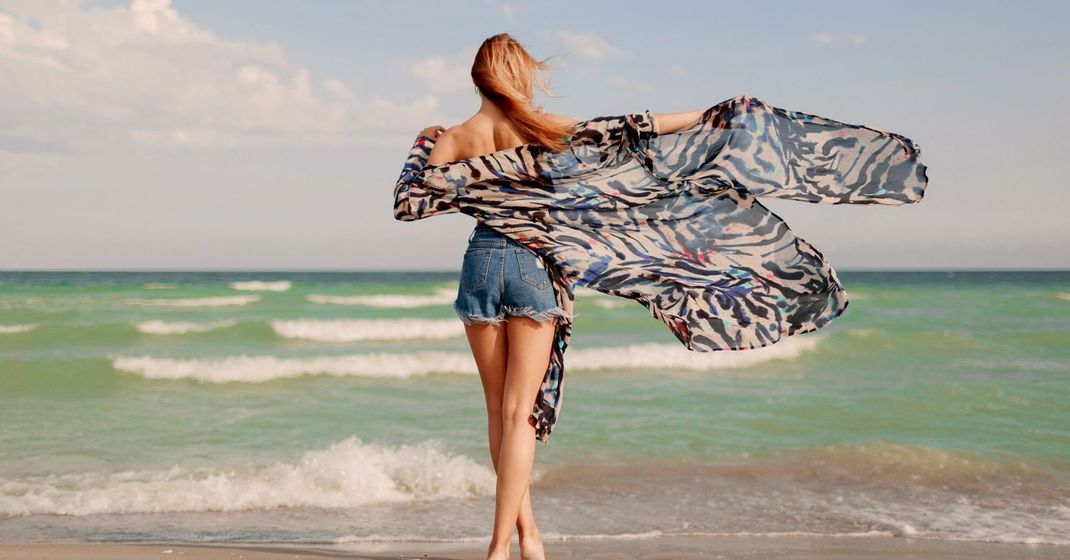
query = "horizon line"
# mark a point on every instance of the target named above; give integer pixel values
(455, 270)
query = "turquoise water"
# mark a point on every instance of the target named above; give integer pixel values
(338, 407)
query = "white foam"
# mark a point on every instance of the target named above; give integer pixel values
(554, 536)
(218, 301)
(402, 365)
(675, 356)
(265, 368)
(611, 303)
(180, 327)
(14, 303)
(12, 329)
(259, 286)
(159, 286)
(349, 330)
(1063, 295)
(961, 519)
(347, 474)
(440, 297)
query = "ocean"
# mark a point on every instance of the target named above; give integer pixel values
(342, 407)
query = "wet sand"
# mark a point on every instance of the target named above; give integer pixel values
(657, 548)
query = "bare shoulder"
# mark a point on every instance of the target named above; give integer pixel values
(447, 146)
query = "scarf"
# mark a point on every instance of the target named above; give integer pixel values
(673, 221)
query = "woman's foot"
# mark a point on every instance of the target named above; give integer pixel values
(531, 547)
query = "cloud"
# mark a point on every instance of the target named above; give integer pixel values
(677, 69)
(826, 38)
(82, 77)
(822, 37)
(445, 75)
(506, 9)
(624, 83)
(588, 46)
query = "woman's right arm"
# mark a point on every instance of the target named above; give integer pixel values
(408, 204)
(668, 123)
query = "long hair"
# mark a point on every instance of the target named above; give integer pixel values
(504, 73)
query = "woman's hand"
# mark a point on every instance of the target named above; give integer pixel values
(432, 132)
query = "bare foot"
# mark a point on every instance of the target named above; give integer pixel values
(497, 553)
(531, 548)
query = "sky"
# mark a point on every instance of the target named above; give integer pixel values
(255, 134)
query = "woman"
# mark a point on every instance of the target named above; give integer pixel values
(506, 297)
(662, 209)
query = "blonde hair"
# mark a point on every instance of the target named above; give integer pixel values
(504, 72)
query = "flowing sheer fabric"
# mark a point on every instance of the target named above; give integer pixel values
(673, 220)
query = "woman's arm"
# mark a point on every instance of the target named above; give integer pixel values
(668, 123)
(445, 149)
(411, 200)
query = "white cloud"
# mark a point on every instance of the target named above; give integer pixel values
(87, 77)
(624, 83)
(589, 46)
(445, 75)
(506, 9)
(826, 38)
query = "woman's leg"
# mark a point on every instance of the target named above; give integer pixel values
(529, 343)
(489, 348)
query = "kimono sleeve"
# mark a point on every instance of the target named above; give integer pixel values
(413, 198)
(748, 144)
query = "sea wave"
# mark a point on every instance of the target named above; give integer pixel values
(12, 329)
(401, 365)
(261, 286)
(347, 474)
(1063, 295)
(440, 297)
(160, 286)
(350, 330)
(13, 303)
(217, 301)
(555, 536)
(676, 357)
(266, 368)
(610, 303)
(892, 488)
(180, 327)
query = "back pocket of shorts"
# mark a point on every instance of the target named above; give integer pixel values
(475, 268)
(531, 269)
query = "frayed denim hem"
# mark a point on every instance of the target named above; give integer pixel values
(470, 319)
(552, 314)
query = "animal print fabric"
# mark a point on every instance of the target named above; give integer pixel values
(673, 221)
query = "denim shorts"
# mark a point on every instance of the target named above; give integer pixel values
(501, 278)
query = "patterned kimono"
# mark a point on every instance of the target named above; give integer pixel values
(673, 220)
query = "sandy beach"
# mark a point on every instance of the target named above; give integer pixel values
(657, 548)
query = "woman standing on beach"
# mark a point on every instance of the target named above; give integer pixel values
(506, 298)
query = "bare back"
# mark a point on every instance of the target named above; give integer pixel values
(483, 134)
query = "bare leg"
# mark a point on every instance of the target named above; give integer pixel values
(490, 350)
(529, 345)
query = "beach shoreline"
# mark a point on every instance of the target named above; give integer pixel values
(653, 548)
